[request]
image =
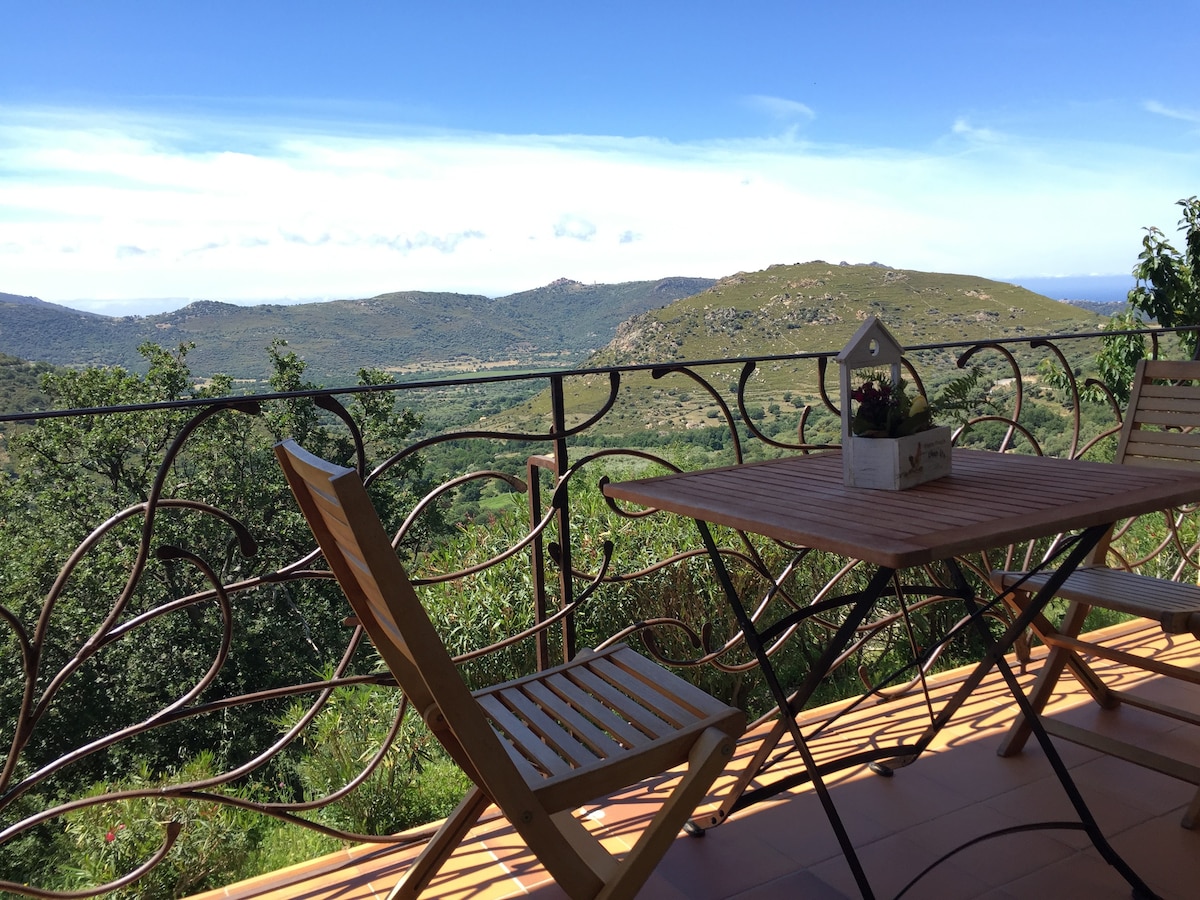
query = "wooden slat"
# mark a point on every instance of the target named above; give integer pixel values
(602, 715)
(546, 727)
(1171, 369)
(1140, 755)
(662, 705)
(1165, 440)
(1162, 444)
(523, 737)
(530, 772)
(1172, 604)
(619, 703)
(1116, 654)
(655, 677)
(1183, 397)
(989, 500)
(347, 543)
(1129, 698)
(331, 510)
(602, 743)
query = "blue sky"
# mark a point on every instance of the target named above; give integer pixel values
(271, 151)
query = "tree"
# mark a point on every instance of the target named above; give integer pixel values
(1167, 292)
(127, 651)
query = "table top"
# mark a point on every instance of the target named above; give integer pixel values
(989, 500)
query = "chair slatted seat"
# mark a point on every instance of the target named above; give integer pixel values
(537, 747)
(1175, 605)
(1161, 429)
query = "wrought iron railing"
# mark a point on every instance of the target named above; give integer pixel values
(175, 591)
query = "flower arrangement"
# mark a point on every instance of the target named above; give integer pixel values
(885, 409)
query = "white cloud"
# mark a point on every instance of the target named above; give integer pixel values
(1187, 115)
(575, 227)
(99, 207)
(966, 130)
(781, 108)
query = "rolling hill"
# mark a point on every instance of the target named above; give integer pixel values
(818, 306)
(405, 332)
(784, 309)
(807, 307)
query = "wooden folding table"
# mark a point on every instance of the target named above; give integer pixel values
(989, 500)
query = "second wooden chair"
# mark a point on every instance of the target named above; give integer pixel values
(1161, 428)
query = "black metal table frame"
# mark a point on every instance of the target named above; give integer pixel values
(860, 604)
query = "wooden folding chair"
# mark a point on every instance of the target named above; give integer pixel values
(538, 747)
(1161, 428)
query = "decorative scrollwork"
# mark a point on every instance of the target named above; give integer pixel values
(600, 550)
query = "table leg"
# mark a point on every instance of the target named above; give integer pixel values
(859, 607)
(785, 705)
(995, 657)
(996, 647)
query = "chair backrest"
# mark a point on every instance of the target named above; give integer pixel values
(360, 554)
(1162, 423)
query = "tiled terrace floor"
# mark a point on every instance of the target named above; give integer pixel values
(785, 847)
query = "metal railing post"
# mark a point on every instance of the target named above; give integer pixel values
(537, 552)
(566, 589)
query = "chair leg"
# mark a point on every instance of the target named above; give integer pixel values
(441, 845)
(708, 757)
(1052, 668)
(1043, 687)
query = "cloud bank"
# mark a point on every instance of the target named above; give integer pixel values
(105, 206)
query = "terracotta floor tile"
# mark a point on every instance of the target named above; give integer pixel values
(1153, 793)
(1145, 847)
(901, 801)
(892, 863)
(785, 846)
(791, 886)
(796, 826)
(725, 861)
(995, 858)
(1076, 876)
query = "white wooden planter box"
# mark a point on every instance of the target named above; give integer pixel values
(895, 464)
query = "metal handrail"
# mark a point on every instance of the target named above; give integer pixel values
(561, 466)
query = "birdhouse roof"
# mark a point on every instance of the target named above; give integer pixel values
(872, 345)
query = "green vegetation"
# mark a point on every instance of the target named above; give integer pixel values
(805, 308)
(1167, 292)
(20, 391)
(19, 384)
(124, 648)
(408, 334)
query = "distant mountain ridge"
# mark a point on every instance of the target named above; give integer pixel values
(782, 309)
(34, 301)
(558, 324)
(17, 298)
(1104, 308)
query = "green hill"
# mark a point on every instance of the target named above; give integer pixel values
(409, 332)
(20, 391)
(781, 310)
(808, 307)
(784, 309)
(19, 384)
(817, 306)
